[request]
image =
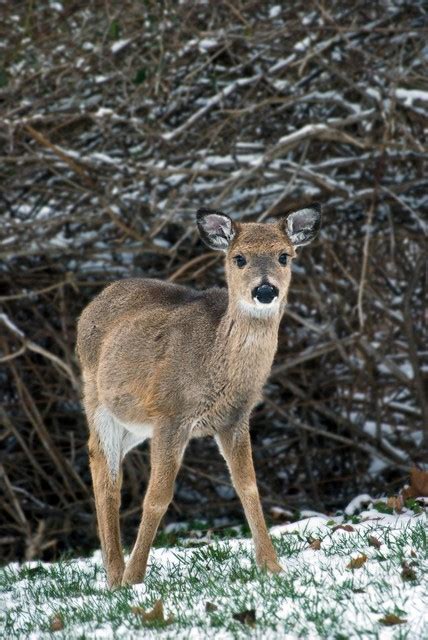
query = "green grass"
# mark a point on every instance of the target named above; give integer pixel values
(317, 596)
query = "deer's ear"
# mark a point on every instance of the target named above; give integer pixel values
(302, 226)
(215, 228)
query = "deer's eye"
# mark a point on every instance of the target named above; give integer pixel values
(283, 259)
(240, 261)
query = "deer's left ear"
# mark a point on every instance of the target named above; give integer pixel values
(215, 228)
(302, 226)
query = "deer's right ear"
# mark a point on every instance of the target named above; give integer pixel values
(215, 228)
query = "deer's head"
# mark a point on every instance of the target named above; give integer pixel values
(259, 255)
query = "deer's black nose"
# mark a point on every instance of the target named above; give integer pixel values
(265, 293)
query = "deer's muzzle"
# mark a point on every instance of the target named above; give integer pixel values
(265, 293)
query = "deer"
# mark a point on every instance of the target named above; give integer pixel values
(167, 362)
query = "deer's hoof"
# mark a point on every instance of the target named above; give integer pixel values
(270, 565)
(114, 580)
(132, 577)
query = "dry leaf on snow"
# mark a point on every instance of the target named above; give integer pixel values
(153, 615)
(344, 527)
(210, 607)
(357, 563)
(395, 502)
(247, 617)
(315, 545)
(57, 623)
(408, 574)
(391, 619)
(374, 542)
(418, 484)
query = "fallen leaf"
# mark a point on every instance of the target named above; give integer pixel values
(57, 623)
(418, 484)
(357, 563)
(395, 502)
(413, 553)
(345, 527)
(408, 574)
(246, 617)
(153, 615)
(391, 619)
(210, 607)
(315, 545)
(374, 542)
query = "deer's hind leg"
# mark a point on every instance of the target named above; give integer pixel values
(105, 460)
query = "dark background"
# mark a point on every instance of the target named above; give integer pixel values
(118, 121)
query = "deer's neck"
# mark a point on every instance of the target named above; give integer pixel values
(244, 347)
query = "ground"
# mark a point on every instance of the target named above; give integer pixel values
(349, 576)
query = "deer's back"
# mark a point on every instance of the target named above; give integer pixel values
(156, 303)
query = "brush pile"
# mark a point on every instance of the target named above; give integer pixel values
(119, 120)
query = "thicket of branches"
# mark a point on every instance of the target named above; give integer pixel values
(119, 120)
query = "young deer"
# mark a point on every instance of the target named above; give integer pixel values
(169, 363)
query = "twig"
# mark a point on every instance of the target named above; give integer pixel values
(369, 222)
(32, 346)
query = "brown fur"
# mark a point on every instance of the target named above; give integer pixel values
(189, 363)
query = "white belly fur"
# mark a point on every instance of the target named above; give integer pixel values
(117, 438)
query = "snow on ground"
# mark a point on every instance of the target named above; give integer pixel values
(344, 577)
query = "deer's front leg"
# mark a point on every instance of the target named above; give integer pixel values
(107, 484)
(235, 446)
(166, 454)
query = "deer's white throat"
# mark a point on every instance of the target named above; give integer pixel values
(259, 309)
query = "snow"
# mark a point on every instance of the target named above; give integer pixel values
(377, 465)
(280, 65)
(119, 45)
(318, 574)
(409, 95)
(303, 44)
(307, 130)
(9, 324)
(373, 93)
(206, 44)
(102, 111)
(102, 157)
(101, 79)
(357, 504)
(275, 11)
(223, 161)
